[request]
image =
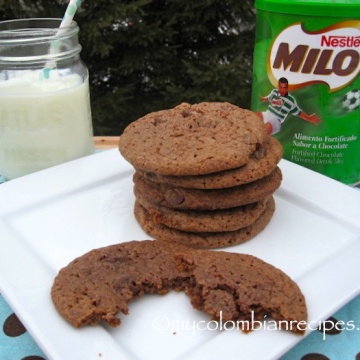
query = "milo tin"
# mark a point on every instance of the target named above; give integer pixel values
(306, 82)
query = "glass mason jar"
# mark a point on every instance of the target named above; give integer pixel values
(45, 115)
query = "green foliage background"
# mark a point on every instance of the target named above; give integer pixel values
(147, 55)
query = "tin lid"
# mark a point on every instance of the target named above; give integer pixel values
(332, 8)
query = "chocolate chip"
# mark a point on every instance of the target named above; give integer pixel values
(174, 197)
(157, 121)
(186, 113)
(259, 153)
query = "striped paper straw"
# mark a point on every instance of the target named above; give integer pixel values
(70, 12)
(66, 21)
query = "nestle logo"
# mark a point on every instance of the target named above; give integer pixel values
(340, 41)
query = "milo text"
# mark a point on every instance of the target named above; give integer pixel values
(328, 56)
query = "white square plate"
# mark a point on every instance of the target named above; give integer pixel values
(50, 217)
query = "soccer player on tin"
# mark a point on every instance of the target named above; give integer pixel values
(281, 104)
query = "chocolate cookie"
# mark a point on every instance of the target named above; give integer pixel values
(213, 199)
(203, 220)
(236, 287)
(100, 284)
(193, 139)
(203, 240)
(261, 163)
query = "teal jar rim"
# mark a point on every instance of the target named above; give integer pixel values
(328, 8)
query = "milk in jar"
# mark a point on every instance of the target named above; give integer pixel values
(45, 116)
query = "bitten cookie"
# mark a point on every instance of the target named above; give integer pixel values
(237, 287)
(193, 139)
(203, 240)
(100, 284)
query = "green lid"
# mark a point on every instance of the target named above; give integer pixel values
(333, 8)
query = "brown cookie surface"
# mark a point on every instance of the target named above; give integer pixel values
(236, 287)
(203, 240)
(99, 285)
(260, 164)
(212, 199)
(193, 139)
(203, 220)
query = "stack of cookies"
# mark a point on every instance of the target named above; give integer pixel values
(205, 174)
